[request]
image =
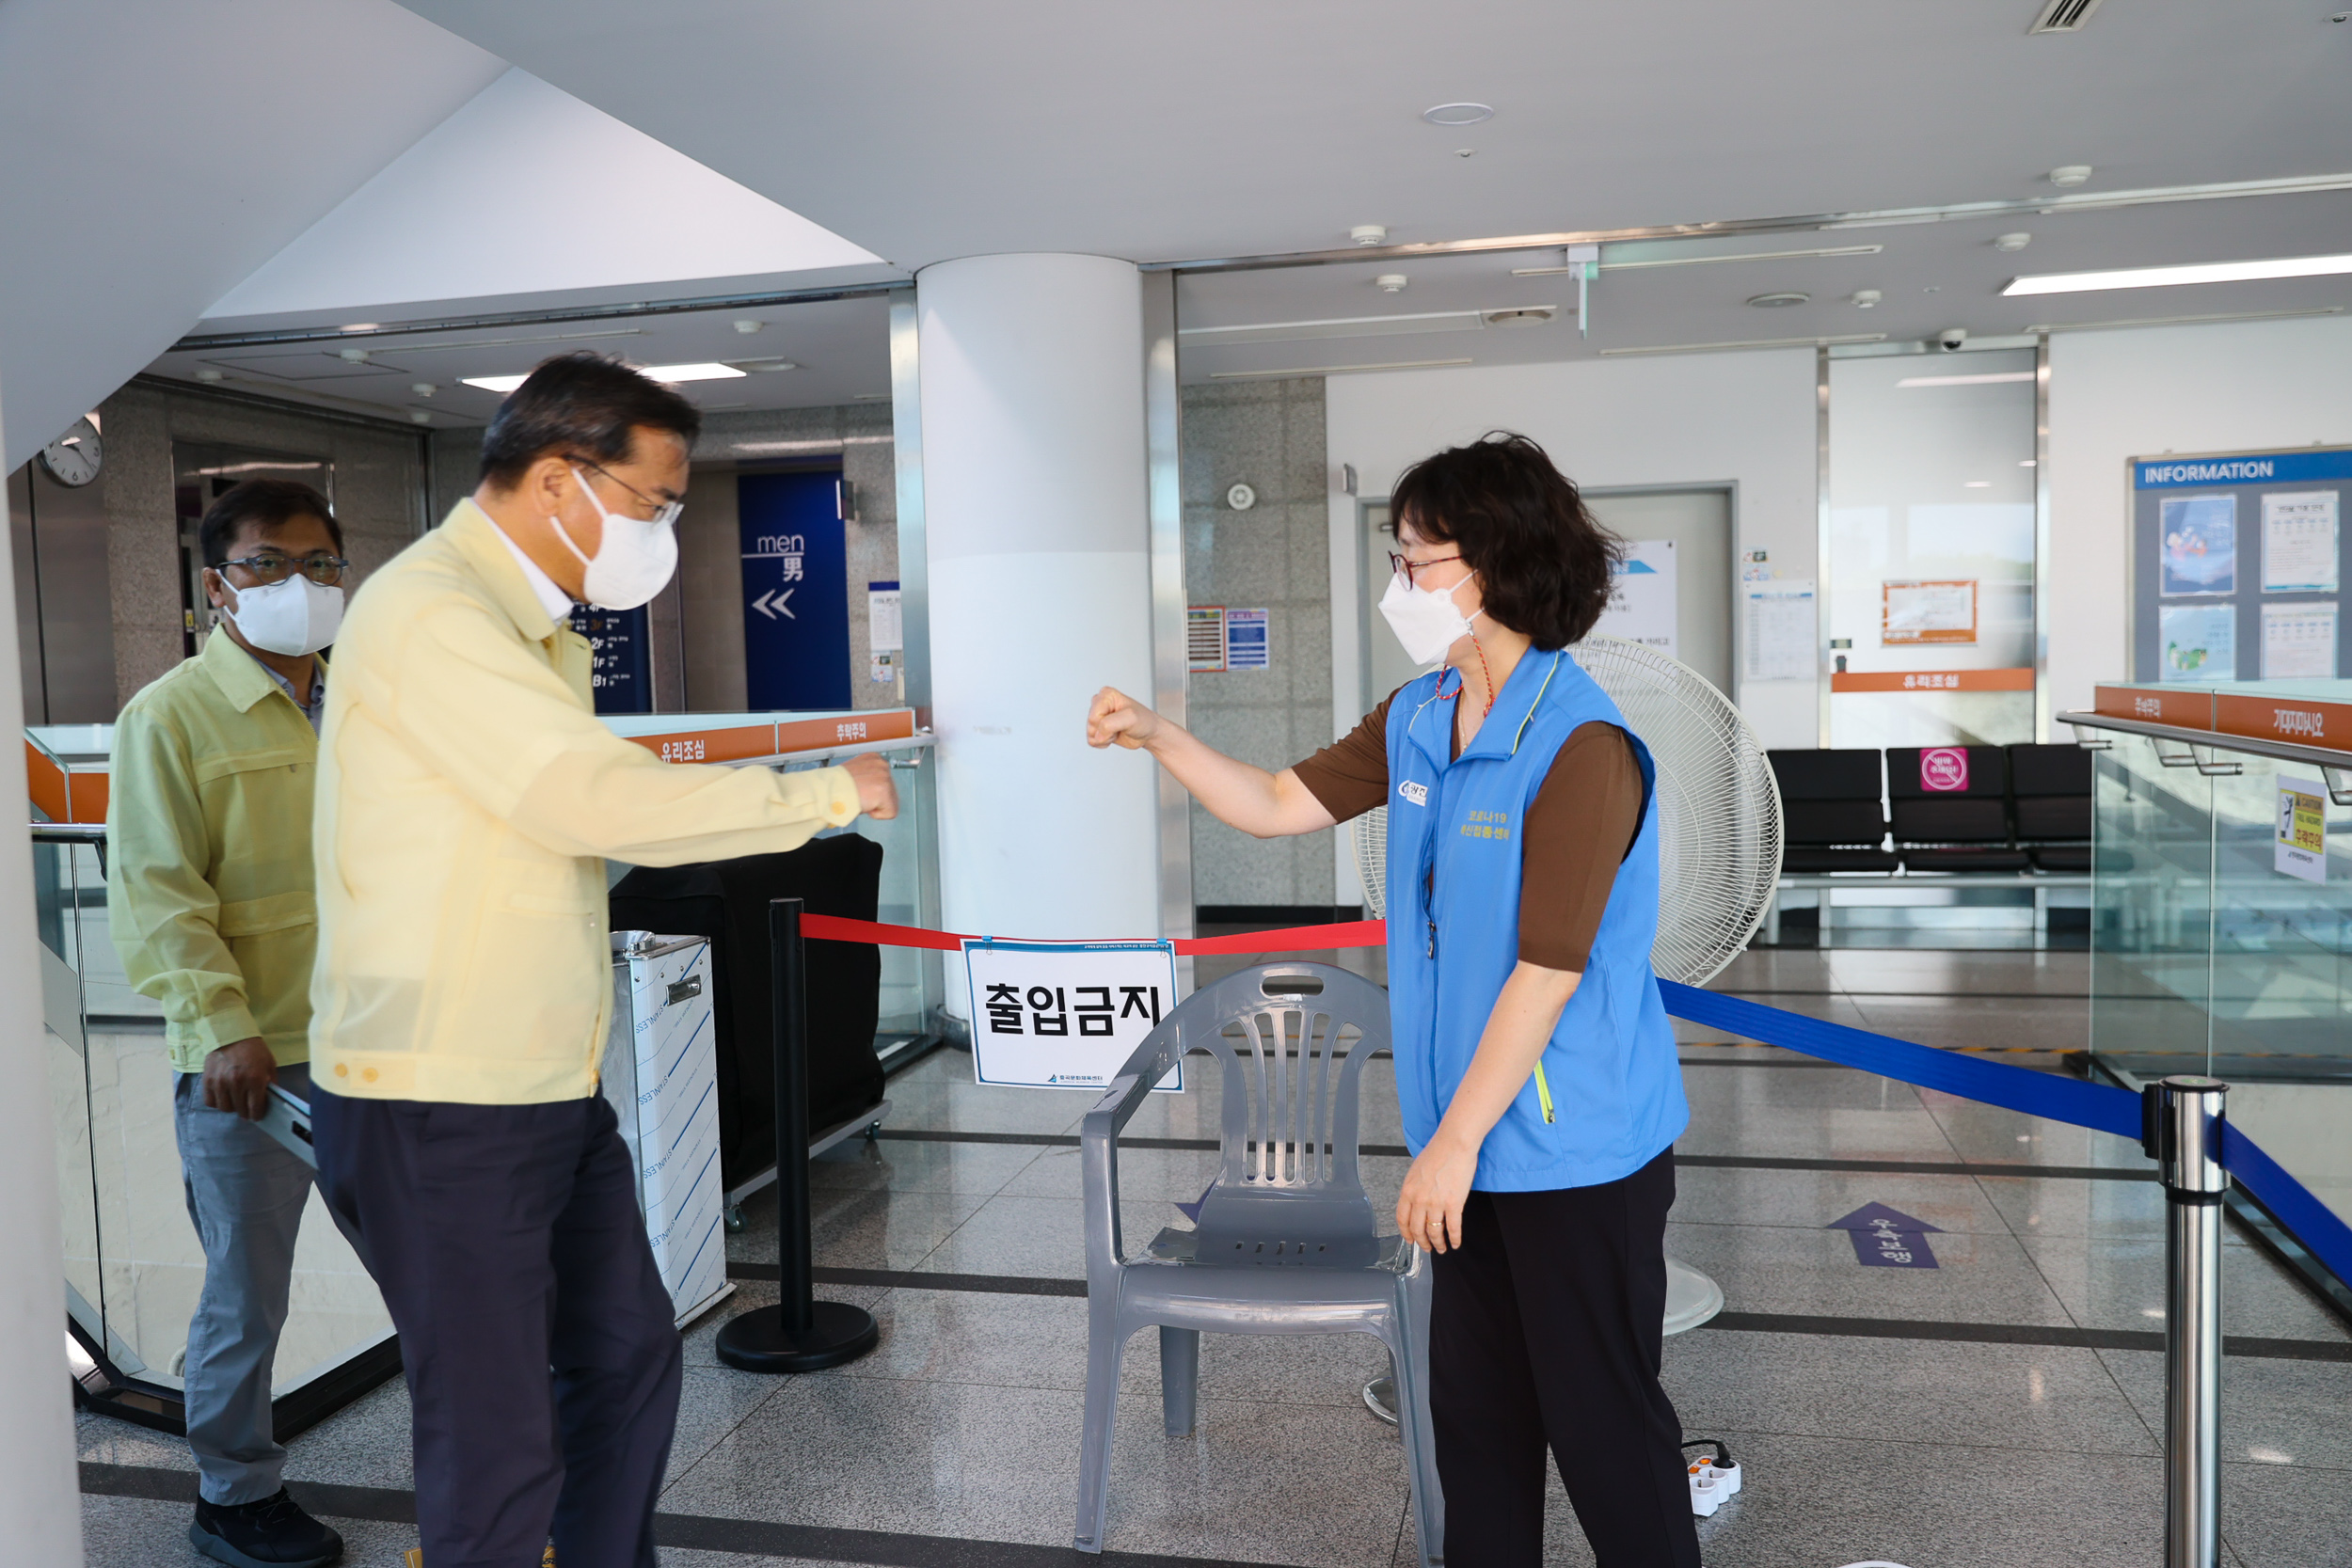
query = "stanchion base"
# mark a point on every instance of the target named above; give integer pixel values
(759, 1342)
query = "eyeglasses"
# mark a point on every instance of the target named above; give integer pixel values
(269, 567)
(665, 513)
(1406, 569)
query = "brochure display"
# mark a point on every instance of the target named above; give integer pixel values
(2237, 564)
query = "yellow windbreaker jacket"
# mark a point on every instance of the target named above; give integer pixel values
(208, 865)
(468, 799)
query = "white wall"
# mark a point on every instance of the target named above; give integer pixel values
(2118, 395)
(1745, 419)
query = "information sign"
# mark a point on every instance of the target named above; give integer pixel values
(620, 673)
(2301, 846)
(1066, 1015)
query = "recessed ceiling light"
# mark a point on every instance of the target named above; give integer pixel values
(1776, 301)
(2200, 272)
(1459, 114)
(2018, 241)
(1976, 484)
(499, 383)
(763, 367)
(2071, 174)
(1986, 379)
(2028, 463)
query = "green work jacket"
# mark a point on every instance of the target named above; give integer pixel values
(209, 887)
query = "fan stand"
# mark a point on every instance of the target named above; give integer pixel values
(1691, 1298)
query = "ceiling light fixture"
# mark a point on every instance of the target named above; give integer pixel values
(501, 385)
(1976, 484)
(2186, 321)
(1357, 326)
(1780, 300)
(765, 367)
(2071, 174)
(1459, 114)
(2198, 272)
(1697, 261)
(1986, 380)
(1746, 344)
(704, 370)
(1336, 370)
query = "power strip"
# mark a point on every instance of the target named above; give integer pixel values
(1713, 1480)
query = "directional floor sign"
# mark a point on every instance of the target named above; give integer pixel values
(1888, 1238)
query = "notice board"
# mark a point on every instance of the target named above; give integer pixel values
(2237, 565)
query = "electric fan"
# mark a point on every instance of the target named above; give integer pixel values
(1718, 850)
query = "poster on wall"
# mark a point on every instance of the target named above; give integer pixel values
(1204, 637)
(2300, 542)
(2299, 641)
(2301, 848)
(1913, 611)
(1780, 631)
(886, 631)
(2199, 552)
(1642, 590)
(1245, 641)
(2200, 642)
(1066, 1015)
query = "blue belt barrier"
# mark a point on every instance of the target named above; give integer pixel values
(2101, 1107)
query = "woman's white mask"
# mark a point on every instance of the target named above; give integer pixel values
(293, 617)
(634, 559)
(1427, 620)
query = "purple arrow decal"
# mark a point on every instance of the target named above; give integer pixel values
(1885, 1237)
(1192, 1211)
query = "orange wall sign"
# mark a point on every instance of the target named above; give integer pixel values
(2189, 710)
(742, 742)
(2305, 723)
(1931, 680)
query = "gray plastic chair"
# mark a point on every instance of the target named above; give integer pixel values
(1286, 1242)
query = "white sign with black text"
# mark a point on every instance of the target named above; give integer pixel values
(1066, 1015)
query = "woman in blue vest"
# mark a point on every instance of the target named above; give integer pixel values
(1534, 1064)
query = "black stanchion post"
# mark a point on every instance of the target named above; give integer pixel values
(799, 1334)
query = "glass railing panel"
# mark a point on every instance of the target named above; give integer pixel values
(912, 985)
(2152, 899)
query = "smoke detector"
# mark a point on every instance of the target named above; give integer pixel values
(1390, 282)
(207, 374)
(2071, 174)
(1776, 301)
(1369, 233)
(1865, 298)
(2012, 241)
(747, 324)
(418, 416)
(352, 356)
(424, 388)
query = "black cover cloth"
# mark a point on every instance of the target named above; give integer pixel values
(727, 901)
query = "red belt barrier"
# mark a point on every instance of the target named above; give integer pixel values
(1353, 933)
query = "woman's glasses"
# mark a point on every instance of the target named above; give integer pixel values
(269, 567)
(1406, 569)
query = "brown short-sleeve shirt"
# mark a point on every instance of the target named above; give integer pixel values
(1579, 827)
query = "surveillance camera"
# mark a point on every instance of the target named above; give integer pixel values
(1951, 337)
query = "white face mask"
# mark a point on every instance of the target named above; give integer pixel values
(293, 617)
(1426, 620)
(634, 559)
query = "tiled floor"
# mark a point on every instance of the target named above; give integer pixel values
(1976, 1415)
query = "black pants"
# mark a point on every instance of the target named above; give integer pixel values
(542, 1358)
(1546, 1331)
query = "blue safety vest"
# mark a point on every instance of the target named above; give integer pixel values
(1607, 1096)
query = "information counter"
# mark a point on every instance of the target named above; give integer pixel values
(2221, 935)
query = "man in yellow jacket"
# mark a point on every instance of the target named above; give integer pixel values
(468, 799)
(209, 897)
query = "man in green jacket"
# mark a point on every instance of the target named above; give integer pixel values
(212, 901)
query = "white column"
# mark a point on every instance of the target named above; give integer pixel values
(1035, 502)
(40, 1505)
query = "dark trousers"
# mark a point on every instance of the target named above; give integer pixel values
(1546, 1331)
(542, 1358)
